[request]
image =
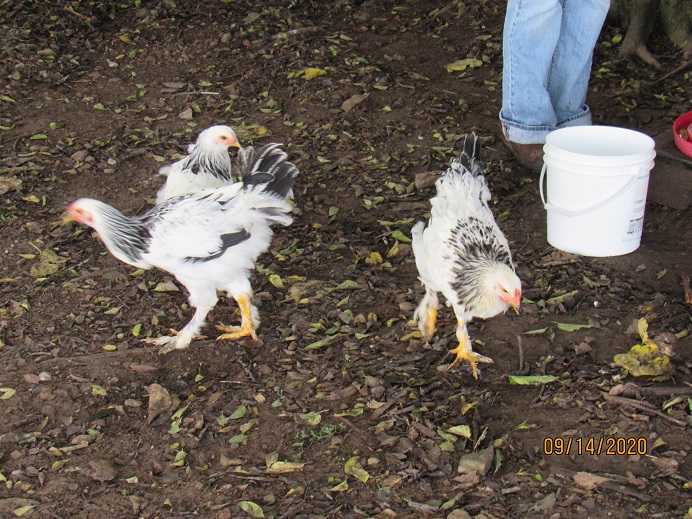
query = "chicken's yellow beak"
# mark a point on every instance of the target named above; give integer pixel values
(515, 308)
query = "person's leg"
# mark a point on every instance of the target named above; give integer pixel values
(531, 34)
(568, 81)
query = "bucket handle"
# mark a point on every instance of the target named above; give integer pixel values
(569, 212)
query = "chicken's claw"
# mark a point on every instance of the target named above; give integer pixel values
(236, 332)
(169, 343)
(246, 328)
(464, 353)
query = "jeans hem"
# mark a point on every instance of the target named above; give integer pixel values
(525, 134)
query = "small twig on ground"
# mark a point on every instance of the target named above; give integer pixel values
(670, 156)
(294, 32)
(688, 288)
(625, 489)
(681, 68)
(441, 11)
(202, 93)
(632, 389)
(523, 367)
(618, 483)
(399, 395)
(239, 382)
(78, 15)
(643, 406)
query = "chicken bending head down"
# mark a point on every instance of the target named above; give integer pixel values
(463, 254)
(207, 165)
(209, 239)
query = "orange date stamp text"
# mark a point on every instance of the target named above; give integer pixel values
(608, 446)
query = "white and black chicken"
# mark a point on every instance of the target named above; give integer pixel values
(207, 165)
(209, 240)
(463, 254)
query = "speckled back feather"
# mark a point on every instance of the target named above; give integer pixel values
(463, 191)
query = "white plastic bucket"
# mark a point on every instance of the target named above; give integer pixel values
(596, 183)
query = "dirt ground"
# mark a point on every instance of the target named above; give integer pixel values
(339, 410)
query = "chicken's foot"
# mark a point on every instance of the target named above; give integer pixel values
(464, 352)
(246, 328)
(182, 339)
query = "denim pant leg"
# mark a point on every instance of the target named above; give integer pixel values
(531, 33)
(568, 83)
(547, 52)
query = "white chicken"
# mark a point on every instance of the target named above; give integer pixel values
(209, 240)
(463, 254)
(207, 165)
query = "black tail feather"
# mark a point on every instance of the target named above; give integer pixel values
(268, 167)
(470, 155)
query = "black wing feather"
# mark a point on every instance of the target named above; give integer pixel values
(268, 168)
(470, 156)
(228, 240)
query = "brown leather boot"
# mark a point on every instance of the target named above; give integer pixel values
(528, 155)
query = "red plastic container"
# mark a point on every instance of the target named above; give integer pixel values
(683, 123)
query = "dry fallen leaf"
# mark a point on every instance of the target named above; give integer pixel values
(103, 470)
(589, 481)
(159, 401)
(283, 467)
(49, 263)
(353, 101)
(8, 183)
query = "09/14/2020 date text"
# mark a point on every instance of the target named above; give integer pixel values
(609, 446)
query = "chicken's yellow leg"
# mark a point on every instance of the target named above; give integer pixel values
(431, 321)
(245, 329)
(425, 315)
(464, 352)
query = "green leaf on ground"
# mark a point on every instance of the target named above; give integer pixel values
(398, 235)
(311, 418)
(644, 359)
(238, 413)
(531, 380)
(49, 263)
(462, 64)
(7, 392)
(251, 508)
(357, 472)
(460, 430)
(566, 327)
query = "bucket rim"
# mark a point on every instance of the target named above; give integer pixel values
(557, 137)
(598, 165)
(592, 128)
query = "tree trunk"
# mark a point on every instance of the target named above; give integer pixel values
(638, 17)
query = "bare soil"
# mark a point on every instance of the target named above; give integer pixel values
(339, 410)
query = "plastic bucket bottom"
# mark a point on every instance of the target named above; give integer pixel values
(596, 179)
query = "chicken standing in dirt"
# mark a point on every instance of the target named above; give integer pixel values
(463, 254)
(209, 240)
(207, 165)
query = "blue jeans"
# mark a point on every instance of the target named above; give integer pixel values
(547, 52)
